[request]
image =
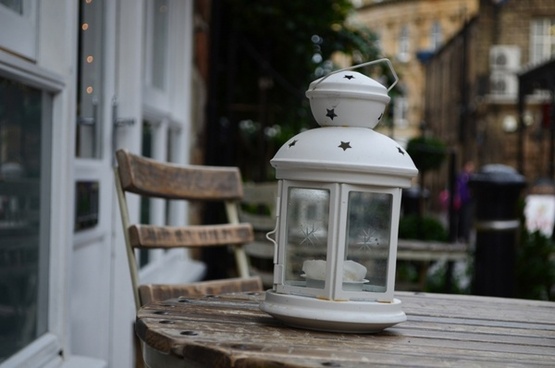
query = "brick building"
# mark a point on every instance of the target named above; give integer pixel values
(472, 87)
(409, 31)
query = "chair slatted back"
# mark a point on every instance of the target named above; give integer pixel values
(148, 177)
(151, 178)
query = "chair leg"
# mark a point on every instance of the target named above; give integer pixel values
(139, 362)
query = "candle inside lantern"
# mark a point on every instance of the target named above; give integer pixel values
(352, 271)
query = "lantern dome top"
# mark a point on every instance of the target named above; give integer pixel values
(348, 98)
(347, 105)
(348, 83)
(330, 153)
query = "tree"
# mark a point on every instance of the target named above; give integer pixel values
(268, 52)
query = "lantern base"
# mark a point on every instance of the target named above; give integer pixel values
(333, 316)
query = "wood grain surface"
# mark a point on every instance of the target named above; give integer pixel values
(441, 331)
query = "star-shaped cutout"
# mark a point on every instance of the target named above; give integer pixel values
(331, 113)
(345, 145)
(349, 77)
(293, 143)
(400, 151)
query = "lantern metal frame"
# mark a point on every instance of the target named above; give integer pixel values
(336, 244)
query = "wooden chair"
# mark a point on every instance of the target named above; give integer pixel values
(258, 207)
(147, 177)
(150, 178)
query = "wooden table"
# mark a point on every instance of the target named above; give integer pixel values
(441, 331)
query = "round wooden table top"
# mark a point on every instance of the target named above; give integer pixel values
(442, 330)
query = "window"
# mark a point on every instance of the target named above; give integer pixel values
(24, 215)
(379, 42)
(400, 111)
(542, 40)
(157, 143)
(404, 45)
(436, 37)
(166, 114)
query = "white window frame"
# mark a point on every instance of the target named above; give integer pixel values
(436, 35)
(46, 349)
(542, 39)
(404, 44)
(400, 112)
(168, 265)
(169, 113)
(18, 32)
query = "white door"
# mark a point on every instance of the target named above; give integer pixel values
(98, 274)
(133, 92)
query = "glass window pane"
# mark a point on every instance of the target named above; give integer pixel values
(89, 80)
(23, 246)
(404, 45)
(542, 39)
(436, 36)
(368, 238)
(307, 236)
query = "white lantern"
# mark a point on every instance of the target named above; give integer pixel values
(339, 201)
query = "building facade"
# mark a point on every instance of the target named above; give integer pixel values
(79, 79)
(472, 87)
(410, 31)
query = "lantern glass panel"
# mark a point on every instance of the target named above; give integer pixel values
(368, 239)
(307, 234)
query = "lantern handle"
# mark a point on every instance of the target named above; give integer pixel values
(272, 240)
(387, 61)
(270, 233)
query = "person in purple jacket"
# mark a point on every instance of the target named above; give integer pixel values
(463, 202)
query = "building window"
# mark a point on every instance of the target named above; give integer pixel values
(436, 37)
(379, 42)
(400, 111)
(24, 215)
(404, 45)
(542, 40)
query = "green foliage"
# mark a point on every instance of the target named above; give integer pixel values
(421, 228)
(427, 153)
(535, 269)
(461, 274)
(273, 50)
(292, 43)
(430, 229)
(293, 32)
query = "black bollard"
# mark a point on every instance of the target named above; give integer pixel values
(496, 190)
